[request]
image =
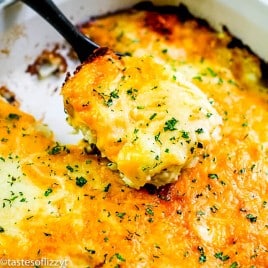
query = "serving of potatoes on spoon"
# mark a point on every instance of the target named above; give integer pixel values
(147, 120)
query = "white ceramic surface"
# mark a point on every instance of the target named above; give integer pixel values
(23, 35)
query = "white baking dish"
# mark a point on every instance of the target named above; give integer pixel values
(23, 35)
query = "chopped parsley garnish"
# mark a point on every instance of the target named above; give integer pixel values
(234, 265)
(136, 130)
(156, 137)
(2, 230)
(251, 218)
(149, 211)
(213, 176)
(211, 72)
(170, 124)
(185, 134)
(153, 116)
(119, 257)
(220, 256)
(198, 78)
(108, 99)
(164, 51)
(13, 116)
(132, 92)
(220, 81)
(209, 115)
(121, 215)
(71, 169)
(48, 192)
(57, 149)
(199, 130)
(202, 257)
(81, 181)
(232, 82)
(114, 94)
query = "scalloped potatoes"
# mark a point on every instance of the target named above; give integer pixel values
(60, 203)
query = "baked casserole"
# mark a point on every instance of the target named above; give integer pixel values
(63, 202)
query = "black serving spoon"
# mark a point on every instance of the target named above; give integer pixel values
(81, 44)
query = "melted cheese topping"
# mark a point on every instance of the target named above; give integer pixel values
(147, 120)
(58, 203)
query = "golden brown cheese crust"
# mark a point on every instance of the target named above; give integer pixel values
(215, 216)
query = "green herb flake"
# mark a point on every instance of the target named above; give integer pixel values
(114, 94)
(109, 102)
(200, 213)
(156, 138)
(199, 131)
(202, 257)
(251, 218)
(56, 149)
(164, 51)
(234, 265)
(213, 176)
(140, 107)
(132, 92)
(80, 181)
(185, 134)
(211, 72)
(136, 130)
(198, 78)
(209, 115)
(220, 256)
(153, 116)
(120, 215)
(48, 192)
(232, 82)
(120, 257)
(170, 124)
(71, 169)
(12, 116)
(149, 211)
(220, 81)
(2, 230)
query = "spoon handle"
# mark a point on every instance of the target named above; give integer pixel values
(82, 45)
